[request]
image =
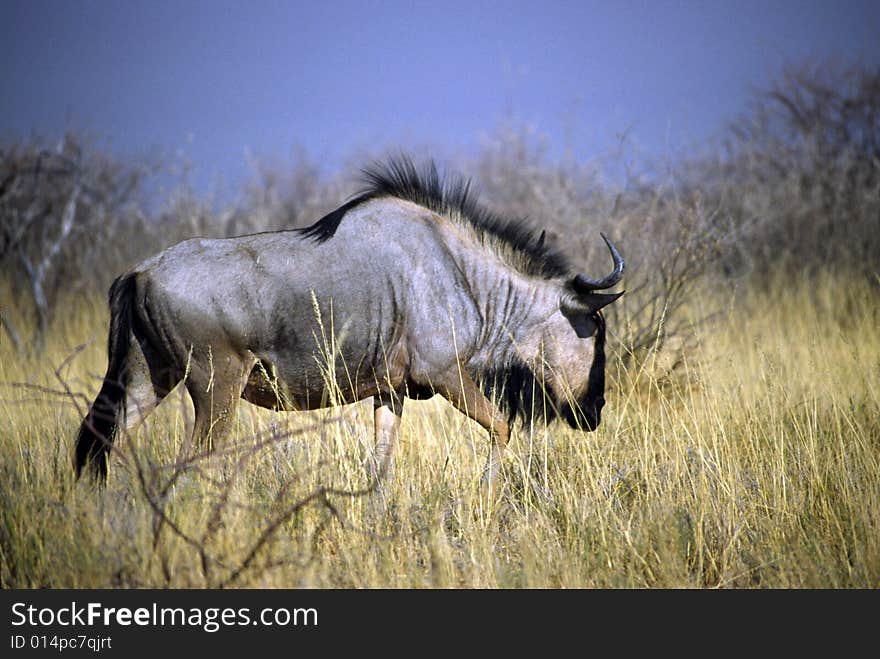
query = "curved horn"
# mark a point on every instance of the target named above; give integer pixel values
(584, 284)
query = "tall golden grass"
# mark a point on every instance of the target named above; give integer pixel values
(756, 463)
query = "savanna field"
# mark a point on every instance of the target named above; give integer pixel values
(739, 446)
(753, 464)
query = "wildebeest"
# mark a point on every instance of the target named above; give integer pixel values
(408, 290)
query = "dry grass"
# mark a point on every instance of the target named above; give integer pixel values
(755, 464)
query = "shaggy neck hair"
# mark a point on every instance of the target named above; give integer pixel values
(454, 198)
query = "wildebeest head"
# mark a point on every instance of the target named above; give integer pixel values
(563, 374)
(574, 353)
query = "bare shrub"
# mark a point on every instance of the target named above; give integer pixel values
(62, 211)
(799, 177)
(675, 240)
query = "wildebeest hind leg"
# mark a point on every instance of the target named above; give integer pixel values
(150, 379)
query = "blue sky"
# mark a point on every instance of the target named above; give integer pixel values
(217, 78)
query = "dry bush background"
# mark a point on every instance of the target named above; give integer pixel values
(741, 439)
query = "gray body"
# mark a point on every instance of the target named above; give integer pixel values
(398, 300)
(390, 304)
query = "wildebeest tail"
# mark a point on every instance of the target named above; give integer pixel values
(99, 428)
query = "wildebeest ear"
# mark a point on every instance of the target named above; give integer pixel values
(595, 301)
(588, 302)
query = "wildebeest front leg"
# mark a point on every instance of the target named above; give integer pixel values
(468, 398)
(387, 409)
(215, 386)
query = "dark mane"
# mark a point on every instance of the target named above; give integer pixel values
(518, 392)
(451, 196)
